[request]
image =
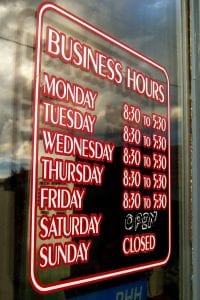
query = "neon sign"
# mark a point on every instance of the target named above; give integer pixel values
(100, 186)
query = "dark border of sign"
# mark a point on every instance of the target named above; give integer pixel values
(84, 280)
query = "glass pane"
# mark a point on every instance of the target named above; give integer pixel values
(92, 163)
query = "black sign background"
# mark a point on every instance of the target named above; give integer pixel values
(106, 259)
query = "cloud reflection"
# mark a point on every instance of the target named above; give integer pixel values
(141, 24)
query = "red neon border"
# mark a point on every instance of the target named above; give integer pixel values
(75, 282)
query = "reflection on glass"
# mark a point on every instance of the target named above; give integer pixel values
(151, 30)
